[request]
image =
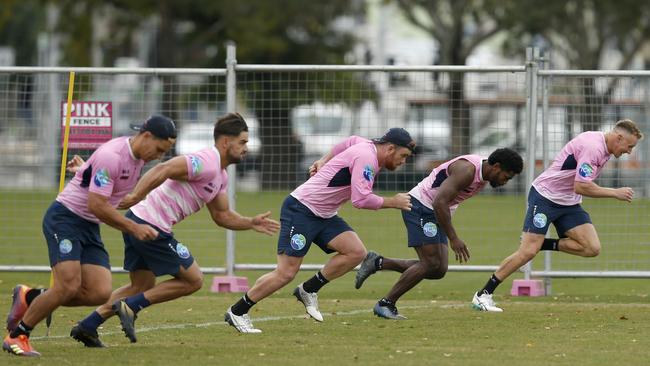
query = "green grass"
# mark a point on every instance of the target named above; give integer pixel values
(587, 322)
(584, 321)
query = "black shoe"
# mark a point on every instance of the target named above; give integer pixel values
(366, 268)
(387, 311)
(127, 319)
(89, 338)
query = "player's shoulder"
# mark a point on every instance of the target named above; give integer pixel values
(112, 151)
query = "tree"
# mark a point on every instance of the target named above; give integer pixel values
(581, 32)
(458, 26)
(193, 33)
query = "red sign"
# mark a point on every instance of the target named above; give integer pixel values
(91, 124)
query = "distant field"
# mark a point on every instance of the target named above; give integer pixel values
(489, 224)
(584, 322)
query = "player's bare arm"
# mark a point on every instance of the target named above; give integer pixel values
(102, 209)
(223, 216)
(175, 168)
(591, 189)
(461, 174)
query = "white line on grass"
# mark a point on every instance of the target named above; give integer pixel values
(344, 313)
(210, 324)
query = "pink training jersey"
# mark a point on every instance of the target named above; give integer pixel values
(349, 175)
(580, 160)
(174, 200)
(427, 189)
(111, 171)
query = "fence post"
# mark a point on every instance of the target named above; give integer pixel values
(545, 61)
(231, 105)
(230, 282)
(528, 286)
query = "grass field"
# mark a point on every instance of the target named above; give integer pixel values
(584, 321)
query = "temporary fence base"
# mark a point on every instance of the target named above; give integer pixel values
(528, 288)
(229, 284)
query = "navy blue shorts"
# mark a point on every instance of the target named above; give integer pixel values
(542, 212)
(163, 255)
(422, 226)
(299, 227)
(70, 237)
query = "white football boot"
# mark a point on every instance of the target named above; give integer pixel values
(485, 303)
(310, 300)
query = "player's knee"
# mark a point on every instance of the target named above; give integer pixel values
(592, 250)
(195, 283)
(436, 271)
(68, 290)
(527, 253)
(286, 275)
(100, 296)
(357, 254)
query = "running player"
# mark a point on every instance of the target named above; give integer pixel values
(170, 192)
(555, 197)
(429, 223)
(80, 264)
(309, 214)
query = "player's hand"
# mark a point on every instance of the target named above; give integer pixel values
(402, 201)
(624, 194)
(128, 201)
(459, 247)
(144, 232)
(262, 224)
(315, 167)
(74, 164)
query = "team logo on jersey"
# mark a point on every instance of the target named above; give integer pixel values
(368, 173)
(298, 241)
(101, 178)
(586, 170)
(65, 246)
(182, 251)
(197, 166)
(430, 229)
(539, 220)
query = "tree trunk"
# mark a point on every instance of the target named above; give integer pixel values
(281, 151)
(591, 111)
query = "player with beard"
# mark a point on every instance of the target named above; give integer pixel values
(429, 225)
(309, 214)
(166, 195)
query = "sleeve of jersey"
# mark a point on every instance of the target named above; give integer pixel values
(363, 170)
(196, 167)
(343, 145)
(105, 170)
(586, 169)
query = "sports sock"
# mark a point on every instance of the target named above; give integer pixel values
(137, 302)
(92, 321)
(385, 302)
(490, 286)
(242, 306)
(22, 328)
(379, 263)
(551, 244)
(315, 283)
(31, 294)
